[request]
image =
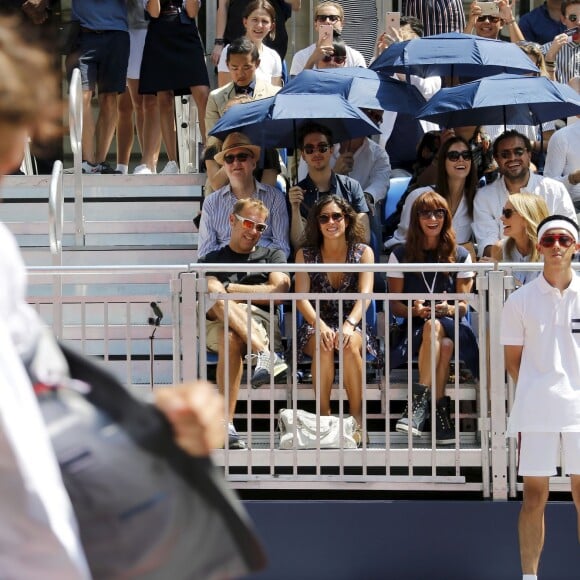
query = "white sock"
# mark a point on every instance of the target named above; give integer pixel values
(529, 577)
(122, 167)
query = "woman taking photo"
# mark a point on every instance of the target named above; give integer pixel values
(431, 239)
(456, 183)
(334, 236)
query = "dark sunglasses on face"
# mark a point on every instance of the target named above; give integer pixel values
(564, 240)
(572, 18)
(321, 148)
(324, 218)
(492, 19)
(466, 155)
(336, 59)
(507, 212)
(325, 17)
(249, 224)
(427, 214)
(507, 153)
(230, 158)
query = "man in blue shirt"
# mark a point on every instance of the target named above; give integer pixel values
(543, 23)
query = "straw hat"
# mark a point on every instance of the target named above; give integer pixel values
(237, 141)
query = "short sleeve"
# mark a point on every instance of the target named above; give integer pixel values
(394, 260)
(512, 322)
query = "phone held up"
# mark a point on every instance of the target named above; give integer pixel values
(325, 34)
(392, 22)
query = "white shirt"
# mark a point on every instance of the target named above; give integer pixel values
(489, 202)
(547, 324)
(270, 63)
(563, 157)
(353, 58)
(38, 531)
(462, 223)
(371, 168)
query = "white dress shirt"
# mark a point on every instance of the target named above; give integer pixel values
(563, 157)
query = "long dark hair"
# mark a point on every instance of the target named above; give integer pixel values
(414, 247)
(354, 232)
(470, 187)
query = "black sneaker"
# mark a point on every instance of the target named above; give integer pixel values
(420, 411)
(268, 364)
(106, 169)
(445, 429)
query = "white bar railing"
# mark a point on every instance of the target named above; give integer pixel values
(75, 113)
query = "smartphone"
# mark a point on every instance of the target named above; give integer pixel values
(489, 8)
(392, 22)
(571, 32)
(325, 34)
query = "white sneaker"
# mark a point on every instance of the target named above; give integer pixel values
(89, 168)
(171, 168)
(142, 170)
(269, 364)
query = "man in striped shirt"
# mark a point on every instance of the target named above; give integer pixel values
(437, 16)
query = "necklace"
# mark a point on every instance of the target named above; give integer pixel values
(431, 287)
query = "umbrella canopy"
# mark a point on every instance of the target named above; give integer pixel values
(454, 54)
(362, 88)
(275, 121)
(501, 100)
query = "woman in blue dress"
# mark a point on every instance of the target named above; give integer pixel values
(335, 236)
(431, 239)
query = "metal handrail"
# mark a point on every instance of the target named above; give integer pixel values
(76, 133)
(55, 209)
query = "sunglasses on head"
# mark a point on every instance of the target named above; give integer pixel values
(231, 157)
(324, 218)
(336, 59)
(564, 240)
(249, 224)
(321, 148)
(507, 212)
(507, 153)
(492, 19)
(466, 155)
(427, 214)
(325, 17)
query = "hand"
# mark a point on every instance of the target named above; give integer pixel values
(216, 53)
(347, 334)
(420, 310)
(36, 10)
(344, 162)
(296, 196)
(574, 177)
(196, 413)
(505, 10)
(559, 41)
(442, 309)
(327, 337)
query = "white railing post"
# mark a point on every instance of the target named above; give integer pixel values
(75, 113)
(189, 328)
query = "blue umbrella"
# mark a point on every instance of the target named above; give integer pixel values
(275, 121)
(501, 100)
(362, 88)
(454, 54)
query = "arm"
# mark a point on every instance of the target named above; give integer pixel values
(277, 282)
(400, 309)
(191, 7)
(474, 13)
(220, 27)
(153, 8)
(555, 166)
(365, 286)
(279, 223)
(505, 11)
(513, 359)
(380, 176)
(212, 114)
(364, 220)
(207, 236)
(296, 4)
(216, 175)
(485, 226)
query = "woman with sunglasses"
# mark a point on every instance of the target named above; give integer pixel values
(456, 183)
(334, 235)
(490, 25)
(431, 239)
(521, 215)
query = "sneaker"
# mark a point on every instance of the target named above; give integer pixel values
(420, 411)
(170, 169)
(234, 440)
(445, 429)
(142, 170)
(89, 168)
(268, 364)
(122, 168)
(106, 169)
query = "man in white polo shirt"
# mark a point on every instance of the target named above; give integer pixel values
(540, 332)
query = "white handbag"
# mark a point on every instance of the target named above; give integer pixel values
(306, 435)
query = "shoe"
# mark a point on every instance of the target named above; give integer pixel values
(358, 437)
(89, 168)
(234, 441)
(445, 429)
(170, 169)
(122, 168)
(420, 411)
(106, 169)
(269, 363)
(142, 170)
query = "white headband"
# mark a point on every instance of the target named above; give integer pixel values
(558, 225)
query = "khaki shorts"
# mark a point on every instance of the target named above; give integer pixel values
(539, 453)
(215, 329)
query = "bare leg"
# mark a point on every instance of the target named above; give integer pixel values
(442, 370)
(326, 372)
(151, 132)
(575, 480)
(441, 358)
(235, 369)
(352, 360)
(531, 522)
(125, 128)
(200, 93)
(167, 117)
(88, 137)
(106, 124)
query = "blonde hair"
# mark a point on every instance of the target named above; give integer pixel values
(329, 3)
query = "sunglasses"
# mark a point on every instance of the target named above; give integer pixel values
(507, 212)
(507, 153)
(572, 18)
(466, 155)
(427, 214)
(336, 59)
(564, 240)
(324, 218)
(231, 157)
(321, 148)
(492, 19)
(249, 224)
(325, 17)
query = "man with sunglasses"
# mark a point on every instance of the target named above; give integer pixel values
(543, 23)
(239, 158)
(512, 152)
(542, 356)
(248, 223)
(490, 25)
(315, 141)
(325, 13)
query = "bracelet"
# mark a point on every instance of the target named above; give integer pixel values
(353, 324)
(550, 62)
(219, 42)
(510, 22)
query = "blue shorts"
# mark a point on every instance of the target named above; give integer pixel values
(103, 60)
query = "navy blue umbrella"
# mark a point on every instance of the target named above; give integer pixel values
(362, 88)
(275, 121)
(501, 100)
(454, 54)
